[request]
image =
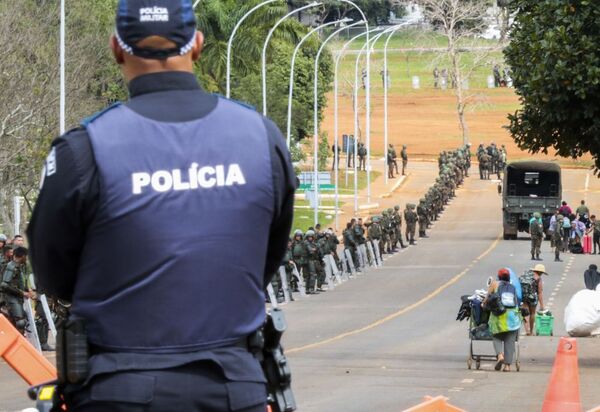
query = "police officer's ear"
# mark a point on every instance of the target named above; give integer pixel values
(198, 46)
(116, 49)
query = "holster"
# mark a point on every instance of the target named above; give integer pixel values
(266, 346)
(72, 352)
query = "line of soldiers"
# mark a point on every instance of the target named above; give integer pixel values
(16, 286)
(307, 254)
(491, 160)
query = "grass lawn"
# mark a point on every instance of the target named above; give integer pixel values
(304, 218)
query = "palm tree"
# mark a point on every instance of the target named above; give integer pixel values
(217, 18)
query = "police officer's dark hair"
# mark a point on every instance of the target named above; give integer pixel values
(6, 249)
(17, 237)
(20, 252)
(348, 225)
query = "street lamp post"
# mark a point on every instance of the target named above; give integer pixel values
(230, 42)
(266, 45)
(292, 75)
(336, 117)
(368, 97)
(385, 95)
(316, 118)
(63, 93)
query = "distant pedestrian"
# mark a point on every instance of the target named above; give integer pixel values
(533, 294)
(362, 157)
(536, 230)
(404, 156)
(335, 160)
(436, 78)
(565, 209)
(496, 72)
(583, 213)
(591, 277)
(595, 231)
(505, 319)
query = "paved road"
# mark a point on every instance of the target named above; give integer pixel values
(383, 341)
(386, 339)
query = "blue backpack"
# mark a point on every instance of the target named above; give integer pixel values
(508, 295)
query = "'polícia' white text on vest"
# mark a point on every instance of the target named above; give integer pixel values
(206, 177)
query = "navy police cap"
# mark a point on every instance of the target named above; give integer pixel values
(173, 20)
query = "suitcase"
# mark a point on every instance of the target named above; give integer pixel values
(587, 245)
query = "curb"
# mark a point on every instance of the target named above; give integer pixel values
(397, 186)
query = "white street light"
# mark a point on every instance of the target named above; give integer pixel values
(368, 97)
(293, 67)
(266, 45)
(385, 93)
(230, 42)
(336, 120)
(316, 119)
(62, 69)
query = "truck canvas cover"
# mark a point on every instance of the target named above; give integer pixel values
(532, 178)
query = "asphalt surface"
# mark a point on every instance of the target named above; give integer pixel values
(385, 339)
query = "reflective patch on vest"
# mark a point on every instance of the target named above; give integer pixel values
(194, 178)
(51, 163)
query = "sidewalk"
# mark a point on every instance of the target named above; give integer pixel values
(398, 191)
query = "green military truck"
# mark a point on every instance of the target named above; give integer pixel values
(529, 187)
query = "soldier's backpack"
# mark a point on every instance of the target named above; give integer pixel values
(529, 288)
(375, 231)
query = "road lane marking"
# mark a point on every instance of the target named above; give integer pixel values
(587, 186)
(468, 380)
(398, 313)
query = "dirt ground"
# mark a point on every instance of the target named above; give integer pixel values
(427, 122)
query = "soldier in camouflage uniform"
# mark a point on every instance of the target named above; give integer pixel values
(323, 245)
(300, 254)
(350, 242)
(411, 219)
(288, 265)
(392, 150)
(15, 288)
(388, 231)
(375, 234)
(422, 216)
(313, 259)
(404, 156)
(484, 166)
(333, 246)
(397, 220)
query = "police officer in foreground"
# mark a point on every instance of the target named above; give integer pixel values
(170, 212)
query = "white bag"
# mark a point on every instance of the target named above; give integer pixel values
(582, 314)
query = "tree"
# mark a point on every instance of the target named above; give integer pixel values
(30, 86)
(217, 19)
(555, 63)
(376, 11)
(460, 21)
(278, 72)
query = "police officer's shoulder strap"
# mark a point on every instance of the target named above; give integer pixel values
(238, 102)
(88, 120)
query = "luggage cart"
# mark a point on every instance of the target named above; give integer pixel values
(476, 358)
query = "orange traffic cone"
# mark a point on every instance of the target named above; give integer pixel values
(562, 394)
